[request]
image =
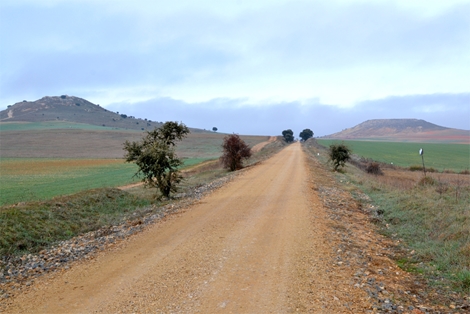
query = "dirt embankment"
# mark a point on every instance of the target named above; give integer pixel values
(264, 243)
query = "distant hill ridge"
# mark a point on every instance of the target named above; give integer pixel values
(401, 124)
(71, 109)
(413, 130)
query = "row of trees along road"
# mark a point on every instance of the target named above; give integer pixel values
(338, 154)
(158, 164)
(304, 135)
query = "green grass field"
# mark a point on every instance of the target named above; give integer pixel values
(33, 179)
(439, 156)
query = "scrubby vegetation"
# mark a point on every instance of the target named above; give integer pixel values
(339, 154)
(156, 158)
(374, 168)
(30, 227)
(427, 216)
(235, 150)
(431, 218)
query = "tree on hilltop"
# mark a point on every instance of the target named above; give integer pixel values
(155, 156)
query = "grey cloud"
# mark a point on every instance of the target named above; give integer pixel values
(369, 33)
(70, 46)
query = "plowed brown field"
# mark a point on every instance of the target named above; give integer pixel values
(260, 244)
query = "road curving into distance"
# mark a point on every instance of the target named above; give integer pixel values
(257, 245)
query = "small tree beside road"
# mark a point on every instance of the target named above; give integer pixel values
(306, 134)
(288, 135)
(339, 154)
(234, 151)
(156, 158)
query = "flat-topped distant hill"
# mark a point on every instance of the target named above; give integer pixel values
(402, 130)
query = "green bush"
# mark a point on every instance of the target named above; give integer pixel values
(339, 154)
(306, 134)
(156, 157)
(288, 135)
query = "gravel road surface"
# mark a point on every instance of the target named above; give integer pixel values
(259, 244)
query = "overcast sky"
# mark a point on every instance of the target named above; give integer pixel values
(249, 67)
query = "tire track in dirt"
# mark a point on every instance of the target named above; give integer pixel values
(257, 245)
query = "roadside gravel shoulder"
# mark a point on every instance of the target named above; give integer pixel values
(372, 256)
(17, 274)
(293, 241)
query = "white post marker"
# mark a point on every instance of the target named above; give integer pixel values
(421, 152)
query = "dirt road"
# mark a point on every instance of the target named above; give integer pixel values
(257, 245)
(259, 146)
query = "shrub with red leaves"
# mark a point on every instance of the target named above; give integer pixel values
(235, 150)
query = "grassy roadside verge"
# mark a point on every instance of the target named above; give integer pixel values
(429, 218)
(33, 226)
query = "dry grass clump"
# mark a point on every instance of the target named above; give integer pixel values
(30, 227)
(374, 168)
(466, 171)
(431, 215)
(427, 181)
